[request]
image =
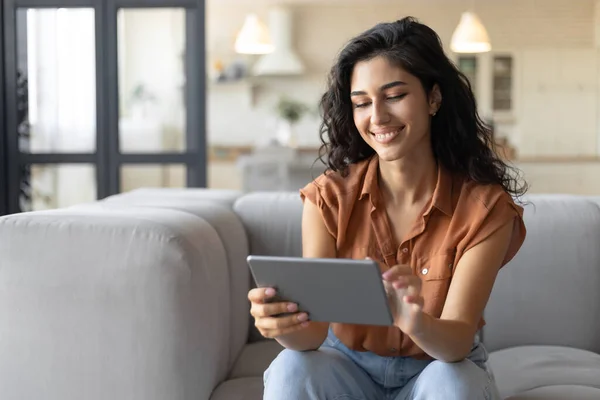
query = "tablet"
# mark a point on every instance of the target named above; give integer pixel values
(328, 289)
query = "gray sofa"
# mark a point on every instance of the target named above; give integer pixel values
(143, 296)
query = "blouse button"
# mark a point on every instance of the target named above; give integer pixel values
(404, 250)
(424, 271)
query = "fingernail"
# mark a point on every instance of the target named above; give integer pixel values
(302, 317)
(270, 292)
(386, 274)
(304, 324)
(292, 307)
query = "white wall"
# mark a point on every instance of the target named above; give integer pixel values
(579, 178)
(559, 102)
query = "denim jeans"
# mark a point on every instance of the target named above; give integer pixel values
(335, 372)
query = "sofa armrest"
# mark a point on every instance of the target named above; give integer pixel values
(213, 206)
(96, 304)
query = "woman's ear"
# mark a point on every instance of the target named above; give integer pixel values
(435, 99)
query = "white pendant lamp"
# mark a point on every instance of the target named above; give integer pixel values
(470, 35)
(254, 37)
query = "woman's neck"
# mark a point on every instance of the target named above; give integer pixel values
(409, 181)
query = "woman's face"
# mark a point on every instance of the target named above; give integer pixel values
(391, 110)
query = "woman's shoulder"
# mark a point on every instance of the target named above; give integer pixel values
(486, 196)
(483, 209)
(335, 194)
(333, 184)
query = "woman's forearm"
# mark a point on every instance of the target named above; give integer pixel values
(444, 340)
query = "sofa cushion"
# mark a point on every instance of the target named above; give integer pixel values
(535, 370)
(595, 199)
(255, 359)
(122, 304)
(240, 389)
(232, 235)
(559, 392)
(548, 294)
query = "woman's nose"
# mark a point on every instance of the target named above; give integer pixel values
(379, 114)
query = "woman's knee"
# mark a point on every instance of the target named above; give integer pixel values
(299, 366)
(462, 380)
(289, 362)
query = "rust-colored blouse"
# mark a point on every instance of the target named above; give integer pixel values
(460, 215)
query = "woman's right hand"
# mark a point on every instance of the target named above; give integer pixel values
(265, 314)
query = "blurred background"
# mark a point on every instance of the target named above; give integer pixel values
(223, 93)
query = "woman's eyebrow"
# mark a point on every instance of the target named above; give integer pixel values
(383, 87)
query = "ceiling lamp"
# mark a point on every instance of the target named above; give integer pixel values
(470, 35)
(254, 37)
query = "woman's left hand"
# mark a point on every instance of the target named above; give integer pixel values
(404, 293)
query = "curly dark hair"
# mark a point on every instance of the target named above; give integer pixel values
(460, 140)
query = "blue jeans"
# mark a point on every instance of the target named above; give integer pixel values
(335, 372)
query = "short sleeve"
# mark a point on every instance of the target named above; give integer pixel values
(490, 217)
(317, 192)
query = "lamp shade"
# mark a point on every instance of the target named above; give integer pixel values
(470, 35)
(254, 37)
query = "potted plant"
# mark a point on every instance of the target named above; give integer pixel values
(289, 112)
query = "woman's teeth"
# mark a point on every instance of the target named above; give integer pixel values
(386, 137)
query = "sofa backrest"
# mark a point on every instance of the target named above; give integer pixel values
(273, 222)
(548, 294)
(222, 196)
(273, 225)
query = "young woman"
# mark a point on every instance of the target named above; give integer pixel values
(414, 184)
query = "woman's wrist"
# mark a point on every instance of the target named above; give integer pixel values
(420, 326)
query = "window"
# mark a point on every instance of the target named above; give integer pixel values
(97, 94)
(502, 83)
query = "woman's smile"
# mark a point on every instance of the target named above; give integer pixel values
(386, 135)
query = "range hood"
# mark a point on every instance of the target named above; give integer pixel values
(283, 60)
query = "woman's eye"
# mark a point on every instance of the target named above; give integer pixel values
(398, 97)
(390, 98)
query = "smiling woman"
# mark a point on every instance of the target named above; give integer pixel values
(414, 184)
(405, 62)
